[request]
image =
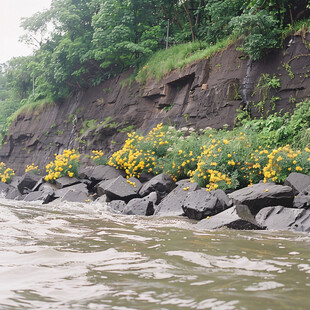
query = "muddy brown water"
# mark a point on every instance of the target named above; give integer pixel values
(81, 256)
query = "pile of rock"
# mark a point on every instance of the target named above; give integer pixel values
(260, 206)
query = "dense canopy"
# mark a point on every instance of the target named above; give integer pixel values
(79, 43)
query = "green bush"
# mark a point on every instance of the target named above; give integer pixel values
(260, 32)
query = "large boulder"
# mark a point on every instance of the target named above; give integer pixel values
(302, 200)
(45, 197)
(201, 203)
(263, 195)
(237, 217)
(101, 173)
(162, 184)
(297, 181)
(118, 189)
(27, 182)
(75, 196)
(281, 218)
(65, 182)
(141, 206)
(80, 187)
(172, 204)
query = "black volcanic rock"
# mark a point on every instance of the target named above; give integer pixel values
(118, 189)
(281, 218)
(237, 217)
(75, 196)
(302, 200)
(65, 182)
(297, 181)
(45, 197)
(80, 187)
(263, 195)
(101, 173)
(172, 204)
(141, 206)
(201, 203)
(161, 183)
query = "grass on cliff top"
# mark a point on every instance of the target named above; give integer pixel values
(29, 107)
(178, 56)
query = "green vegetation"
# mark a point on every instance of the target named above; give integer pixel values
(98, 157)
(265, 149)
(6, 174)
(265, 85)
(65, 164)
(178, 56)
(94, 40)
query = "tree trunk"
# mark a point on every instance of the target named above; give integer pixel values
(189, 19)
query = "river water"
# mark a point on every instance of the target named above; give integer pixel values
(80, 256)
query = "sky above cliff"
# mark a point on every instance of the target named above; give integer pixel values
(11, 12)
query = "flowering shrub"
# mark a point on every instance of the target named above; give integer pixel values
(99, 158)
(232, 163)
(65, 164)
(6, 174)
(182, 157)
(142, 153)
(32, 168)
(283, 160)
(220, 164)
(214, 159)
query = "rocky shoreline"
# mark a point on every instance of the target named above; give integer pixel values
(260, 206)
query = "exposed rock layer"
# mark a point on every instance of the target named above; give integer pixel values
(205, 93)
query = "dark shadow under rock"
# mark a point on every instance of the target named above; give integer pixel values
(27, 182)
(237, 217)
(263, 195)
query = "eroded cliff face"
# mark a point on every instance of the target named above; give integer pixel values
(206, 93)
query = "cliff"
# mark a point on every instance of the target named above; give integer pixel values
(206, 93)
